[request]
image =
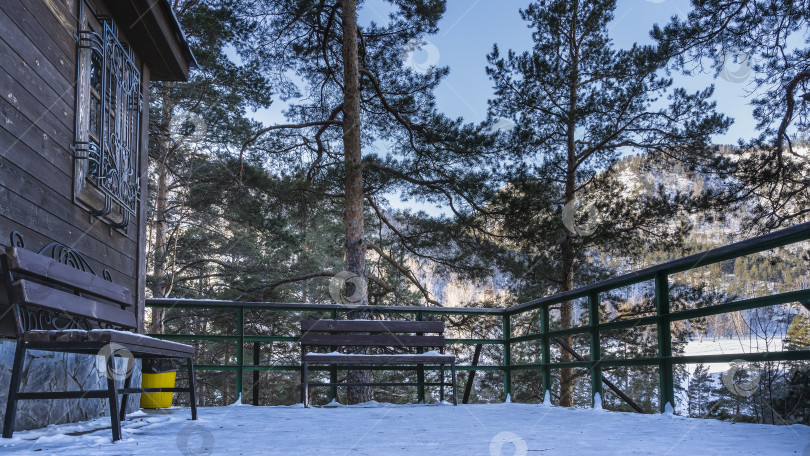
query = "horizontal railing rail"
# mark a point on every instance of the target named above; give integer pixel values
(241, 365)
(662, 319)
(750, 246)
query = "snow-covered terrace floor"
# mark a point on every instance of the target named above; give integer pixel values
(378, 429)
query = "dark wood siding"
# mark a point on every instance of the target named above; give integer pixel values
(37, 103)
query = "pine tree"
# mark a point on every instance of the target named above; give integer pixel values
(364, 125)
(731, 405)
(798, 333)
(578, 104)
(194, 121)
(793, 405)
(767, 175)
(698, 391)
(407, 146)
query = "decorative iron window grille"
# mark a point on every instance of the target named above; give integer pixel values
(108, 122)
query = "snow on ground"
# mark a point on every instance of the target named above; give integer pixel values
(381, 429)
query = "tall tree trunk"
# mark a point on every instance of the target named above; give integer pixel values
(159, 285)
(353, 217)
(567, 321)
(567, 251)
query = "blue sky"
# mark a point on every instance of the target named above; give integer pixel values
(469, 28)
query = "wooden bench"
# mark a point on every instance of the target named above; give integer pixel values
(62, 309)
(406, 336)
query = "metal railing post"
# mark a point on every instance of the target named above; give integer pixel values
(507, 356)
(257, 358)
(240, 352)
(420, 374)
(596, 348)
(545, 341)
(665, 367)
(333, 370)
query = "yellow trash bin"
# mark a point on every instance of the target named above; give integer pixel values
(162, 380)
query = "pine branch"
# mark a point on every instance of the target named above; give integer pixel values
(405, 271)
(267, 289)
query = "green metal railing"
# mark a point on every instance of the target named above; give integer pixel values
(663, 318)
(240, 367)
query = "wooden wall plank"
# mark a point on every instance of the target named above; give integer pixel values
(40, 221)
(54, 42)
(28, 81)
(34, 241)
(58, 173)
(33, 192)
(66, 12)
(19, 138)
(42, 111)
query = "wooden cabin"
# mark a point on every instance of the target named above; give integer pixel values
(74, 113)
(74, 98)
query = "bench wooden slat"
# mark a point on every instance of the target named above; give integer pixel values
(402, 334)
(55, 335)
(387, 326)
(135, 341)
(372, 340)
(379, 384)
(34, 294)
(325, 358)
(132, 341)
(30, 263)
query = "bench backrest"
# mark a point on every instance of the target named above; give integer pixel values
(372, 333)
(37, 283)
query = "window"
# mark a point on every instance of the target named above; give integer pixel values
(108, 115)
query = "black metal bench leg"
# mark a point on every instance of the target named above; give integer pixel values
(453, 373)
(305, 383)
(112, 390)
(127, 383)
(192, 384)
(302, 383)
(420, 381)
(441, 383)
(13, 389)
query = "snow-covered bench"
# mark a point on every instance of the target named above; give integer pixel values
(409, 336)
(60, 308)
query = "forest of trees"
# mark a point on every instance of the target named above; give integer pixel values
(588, 183)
